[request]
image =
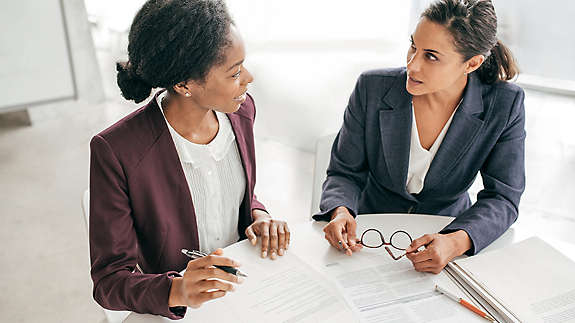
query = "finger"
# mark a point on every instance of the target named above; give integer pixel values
(421, 256)
(350, 228)
(288, 235)
(218, 252)
(265, 236)
(357, 246)
(341, 241)
(345, 245)
(211, 260)
(216, 273)
(207, 296)
(273, 240)
(251, 235)
(214, 284)
(330, 236)
(419, 242)
(281, 239)
(426, 266)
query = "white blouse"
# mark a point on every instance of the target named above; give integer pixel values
(216, 180)
(419, 158)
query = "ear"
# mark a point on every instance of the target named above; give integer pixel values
(474, 63)
(183, 89)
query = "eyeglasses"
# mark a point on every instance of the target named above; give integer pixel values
(400, 240)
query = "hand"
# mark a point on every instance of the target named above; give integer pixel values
(275, 234)
(203, 282)
(340, 231)
(439, 250)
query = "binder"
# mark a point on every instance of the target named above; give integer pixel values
(529, 281)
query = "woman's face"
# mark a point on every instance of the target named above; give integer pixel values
(225, 86)
(433, 65)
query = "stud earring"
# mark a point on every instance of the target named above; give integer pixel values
(187, 94)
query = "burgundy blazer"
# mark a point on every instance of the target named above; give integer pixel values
(141, 210)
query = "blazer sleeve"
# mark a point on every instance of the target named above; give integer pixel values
(347, 170)
(114, 243)
(503, 176)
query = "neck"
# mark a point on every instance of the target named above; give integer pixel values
(186, 115)
(448, 98)
(191, 120)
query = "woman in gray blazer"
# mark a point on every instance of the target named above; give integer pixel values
(414, 138)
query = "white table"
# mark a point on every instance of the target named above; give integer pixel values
(309, 244)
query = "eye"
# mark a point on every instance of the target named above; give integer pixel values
(431, 57)
(236, 75)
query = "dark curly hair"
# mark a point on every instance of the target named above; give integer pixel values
(473, 25)
(172, 41)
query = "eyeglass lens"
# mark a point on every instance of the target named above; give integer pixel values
(372, 238)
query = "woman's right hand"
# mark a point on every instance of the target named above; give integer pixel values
(340, 231)
(203, 282)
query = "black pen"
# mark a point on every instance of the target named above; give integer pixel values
(194, 254)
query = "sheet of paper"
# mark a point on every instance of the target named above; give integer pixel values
(284, 290)
(380, 289)
(531, 278)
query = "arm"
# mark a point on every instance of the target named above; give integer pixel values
(113, 243)
(274, 234)
(347, 171)
(503, 176)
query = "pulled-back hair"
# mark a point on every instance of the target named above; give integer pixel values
(172, 41)
(473, 26)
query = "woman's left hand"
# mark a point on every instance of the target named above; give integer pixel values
(274, 234)
(439, 250)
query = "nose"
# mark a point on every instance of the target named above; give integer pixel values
(413, 62)
(247, 77)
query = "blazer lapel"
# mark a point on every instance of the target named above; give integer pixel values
(464, 128)
(395, 127)
(236, 120)
(173, 168)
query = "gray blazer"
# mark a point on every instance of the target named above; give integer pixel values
(370, 156)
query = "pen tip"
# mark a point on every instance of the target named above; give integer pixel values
(241, 274)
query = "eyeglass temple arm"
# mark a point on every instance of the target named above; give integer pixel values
(392, 255)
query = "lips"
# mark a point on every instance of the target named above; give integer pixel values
(415, 80)
(240, 98)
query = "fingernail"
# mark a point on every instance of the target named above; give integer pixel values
(273, 255)
(240, 280)
(233, 289)
(264, 254)
(281, 252)
(237, 264)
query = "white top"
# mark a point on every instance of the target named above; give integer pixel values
(419, 158)
(216, 180)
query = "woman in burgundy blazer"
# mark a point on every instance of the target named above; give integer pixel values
(141, 209)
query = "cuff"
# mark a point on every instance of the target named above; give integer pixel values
(326, 215)
(176, 312)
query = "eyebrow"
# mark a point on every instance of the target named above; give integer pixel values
(426, 49)
(236, 64)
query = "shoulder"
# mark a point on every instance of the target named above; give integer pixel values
(378, 82)
(505, 98)
(384, 76)
(130, 137)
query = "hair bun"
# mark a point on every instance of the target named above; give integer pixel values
(132, 86)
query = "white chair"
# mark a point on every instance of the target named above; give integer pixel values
(322, 156)
(111, 316)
